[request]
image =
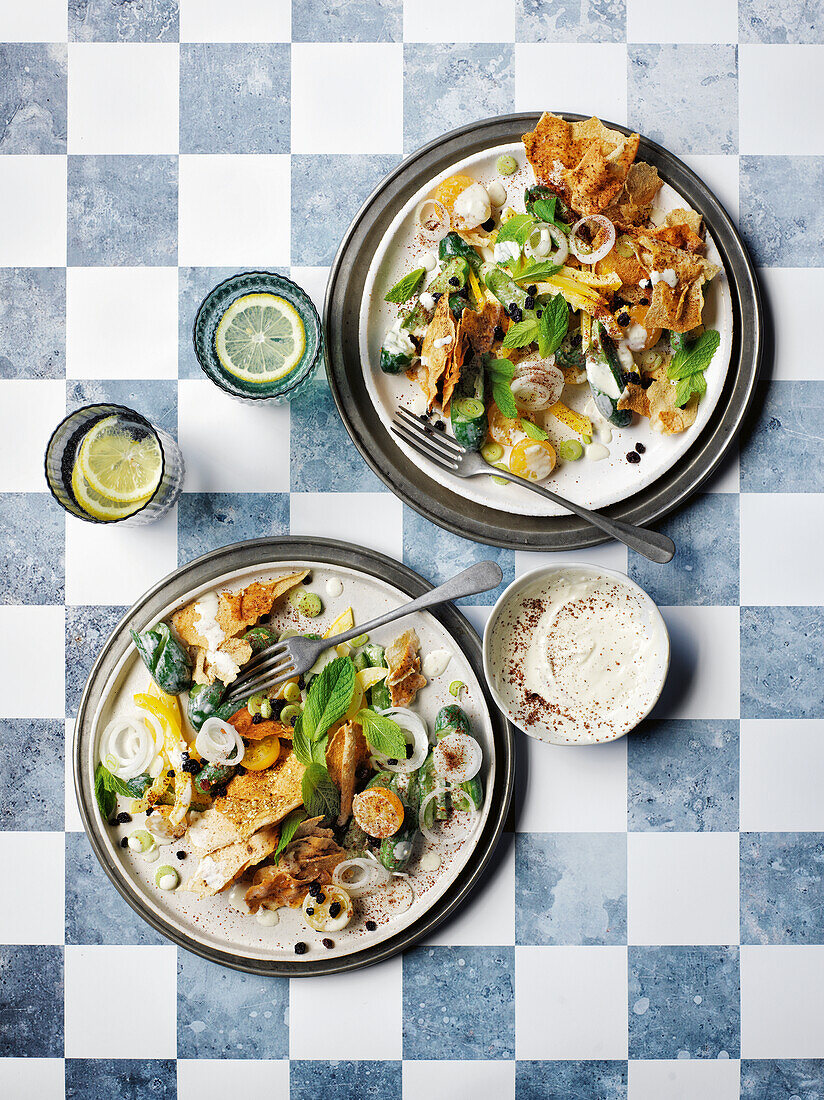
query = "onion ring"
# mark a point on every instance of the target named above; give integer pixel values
(433, 219)
(411, 724)
(587, 255)
(219, 743)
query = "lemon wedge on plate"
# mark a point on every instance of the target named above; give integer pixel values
(260, 338)
(119, 468)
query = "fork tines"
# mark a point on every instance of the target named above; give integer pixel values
(426, 440)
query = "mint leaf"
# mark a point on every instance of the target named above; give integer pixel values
(553, 325)
(538, 271)
(330, 694)
(288, 828)
(382, 734)
(502, 396)
(696, 357)
(544, 209)
(692, 384)
(521, 333)
(501, 368)
(319, 793)
(532, 430)
(404, 288)
(301, 743)
(516, 229)
(106, 801)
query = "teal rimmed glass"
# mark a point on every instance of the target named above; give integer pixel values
(209, 315)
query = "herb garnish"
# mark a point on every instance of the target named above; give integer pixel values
(327, 701)
(382, 734)
(404, 288)
(107, 786)
(553, 325)
(287, 830)
(688, 365)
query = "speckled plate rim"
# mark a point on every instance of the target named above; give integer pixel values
(344, 293)
(247, 555)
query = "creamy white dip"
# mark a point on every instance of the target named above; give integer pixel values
(575, 656)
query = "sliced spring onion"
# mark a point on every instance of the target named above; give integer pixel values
(167, 878)
(433, 219)
(457, 758)
(492, 452)
(141, 841)
(361, 640)
(570, 450)
(291, 693)
(456, 687)
(415, 733)
(290, 712)
(219, 743)
(581, 249)
(360, 875)
(506, 165)
(500, 480)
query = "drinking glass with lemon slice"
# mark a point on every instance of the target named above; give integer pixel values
(107, 464)
(258, 337)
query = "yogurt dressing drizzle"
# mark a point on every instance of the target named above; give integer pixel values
(207, 626)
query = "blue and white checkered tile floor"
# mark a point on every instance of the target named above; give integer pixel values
(653, 927)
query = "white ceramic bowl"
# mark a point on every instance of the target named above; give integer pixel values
(658, 668)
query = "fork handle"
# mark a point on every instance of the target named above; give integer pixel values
(652, 544)
(477, 578)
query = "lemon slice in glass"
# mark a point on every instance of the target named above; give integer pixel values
(118, 467)
(97, 506)
(260, 338)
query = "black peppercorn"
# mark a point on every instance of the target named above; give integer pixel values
(633, 456)
(328, 943)
(371, 926)
(257, 719)
(123, 818)
(124, 843)
(180, 855)
(301, 948)
(334, 909)
(488, 225)
(640, 448)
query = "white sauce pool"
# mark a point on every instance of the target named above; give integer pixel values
(334, 587)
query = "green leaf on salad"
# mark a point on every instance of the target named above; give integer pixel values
(696, 357)
(516, 229)
(382, 734)
(107, 786)
(328, 698)
(502, 396)
(521, 333)
(544, 209)
(692, 384)
(301, 743)
(106, 800)
(404, 288)
(501, 368)
(319, 793)
(553, 325)
(288, 828)
(532, 430)
(534, 273)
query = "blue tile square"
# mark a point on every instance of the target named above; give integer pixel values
(33, 97)
(123, 21)
(570, 888)
(206, 521)
(222, 1013)
(121, 1079)
(781, 1078)
(31, 1002)
(705, 569)
(87, 631)
(323, 457)
(684, 1002)
(95, 911)
(234, 97)
(347, 20)
(682, 776)
(463, 83)
(122, 210)
(778, 451)
(774, 21)
(154, 398)
(459, 1002)
(592, 1080)
(782, 884)
(32, 778)
(439, 554)
(570, 21)
(698, 113)
(327, 192)
(781, 226)
(355, 1080)
(32, 322)
(32, 549)
(781, 662)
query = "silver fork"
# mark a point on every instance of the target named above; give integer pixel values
(450, 455)
(294, 656)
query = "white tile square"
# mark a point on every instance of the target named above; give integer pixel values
(682, 1079)
(234, 210)
(361, 991)
(73, 822)
(703, 679)
(487, 917)
(782, 775)
(240, 21)
(93, 1030)
(458, 1080)
(459, 21)
(45, 21)
(205, 414)
(313, 280)
(682, 888)
(780, 91)
(341, 515)
(794, 295)
(33, 689)
(34, 187)
(571, 788)
(570, 1002)
(365, 113)
(33, 1078)
(213, 1079)
(91, 548)
(106, 331)
(21, 921)
(546, 71)
(720, 173)
(698, 21)
(773, 572)
(782, 1002)
(610, 555)
(123, 97)
(30, 410)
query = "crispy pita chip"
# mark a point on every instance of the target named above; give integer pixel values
(347, 751)
(223, 866)
(476, 237)
(480, 327)
(404, 680)
(676, 308)
(237, 611)
(453, 372)
(255, 731)
(311, 857)
(435, 355)
(657, 403)
(634, 202)
(583, 162)
(681, 229)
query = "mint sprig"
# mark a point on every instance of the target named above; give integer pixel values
(382, 734)
(521, 333)
(687, 367)
(320, 795)
(516, 229)
(404, 288)
(532, 430)
(553, 325)
(500, 373)
(535, 272)
(288, 828)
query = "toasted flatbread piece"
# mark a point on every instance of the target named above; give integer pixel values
(657, 403)
(677, 308)
(312, 858)
(255, 731)
(681, 229)
(220, 869)
(346, 752)
(436, 356)
(633, 204)
(404, 680)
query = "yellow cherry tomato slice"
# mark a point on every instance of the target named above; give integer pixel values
(533, 459)
(262, 754)
(501, 428)
(378, 811)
